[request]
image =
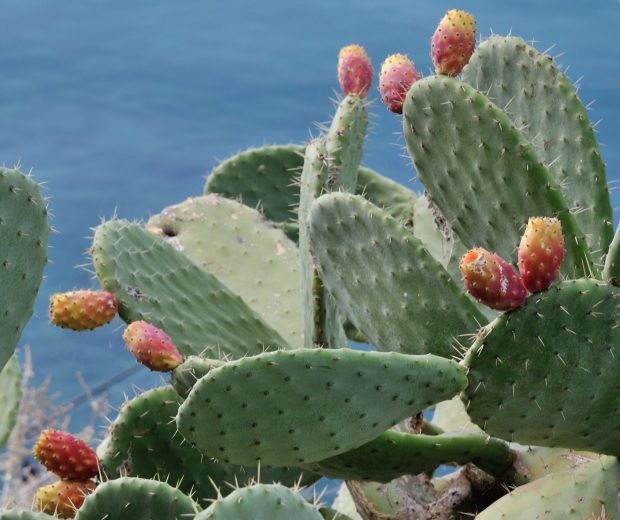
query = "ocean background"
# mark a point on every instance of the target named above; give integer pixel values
(123, 107)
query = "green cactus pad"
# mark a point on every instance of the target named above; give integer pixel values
(23, 235)
(185, 376)
(546, 373)
(262, 178)
(322, 321)
(394, 454)
(11, 392)
(481, 172)
(542, 102)
(388, 195)
(586, 492)
(156, 283)
(138, 499)
(145, 426)
(344, 142)
(243, 250)
(261, 502)
(295, 407)
(611, 272)
(20, 514)
(268, 178)
(385, 281)
(451, 417)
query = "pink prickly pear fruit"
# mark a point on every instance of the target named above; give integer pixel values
(453, 42)
(63, 498)
(354, 70)
(397, 75)
(491, 280)
(66, 455)
(152, 347)
(82, 310)
(541, 252)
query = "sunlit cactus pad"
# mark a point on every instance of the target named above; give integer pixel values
(156, 283)
(239, 246)
(547, 373)
(288, 408)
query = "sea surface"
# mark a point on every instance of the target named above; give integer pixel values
(122, 108)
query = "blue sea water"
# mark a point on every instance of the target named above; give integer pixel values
(122, 107)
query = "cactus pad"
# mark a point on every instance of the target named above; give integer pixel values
(145, 425)
(138, 499)
(546, 374)
(243, 250)
(261, 502)
(262, 178)
(384, 279)
(295, 407)
(587, 491)
(542, 102)
(394, 454)
(11, 392)
(481, 172)
(155, 283)
(23, 235)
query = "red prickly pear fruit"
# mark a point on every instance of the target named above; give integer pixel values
(354, 70)
(491, 280)
(397, 75)
(63, 498)
(541, 252)
(152, 347)
(453, 42)
(65, 455)
(82, 310)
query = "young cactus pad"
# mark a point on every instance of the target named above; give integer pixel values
(547, 373)
(11, 392)
(23, 235)
(294, 407)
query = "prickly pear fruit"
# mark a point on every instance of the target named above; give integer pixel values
(152, 347)
(541, 252)
(491, 280)
(397, 75)
(453, 42)
(82, 310)
(65, 455)
(354, 70)
(63, 498)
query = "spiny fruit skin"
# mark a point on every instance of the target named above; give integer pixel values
(82, 310)
(65, 455)
(491, 280)
(152, 347)
(453, 42)
(63, 498)
(354, 70)
(397, 75)
(541, 252)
